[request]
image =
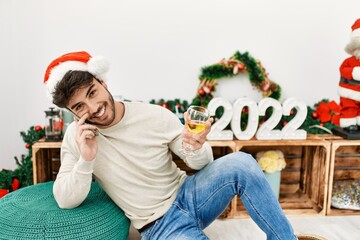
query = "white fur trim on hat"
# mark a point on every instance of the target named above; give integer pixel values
(355, 33)
(58, 72)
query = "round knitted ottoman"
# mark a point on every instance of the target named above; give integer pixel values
(32, 213)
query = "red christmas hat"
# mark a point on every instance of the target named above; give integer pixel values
(74, 61)
(356, 29)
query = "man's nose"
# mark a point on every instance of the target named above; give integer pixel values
(92, 109)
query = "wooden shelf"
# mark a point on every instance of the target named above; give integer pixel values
(313, 164)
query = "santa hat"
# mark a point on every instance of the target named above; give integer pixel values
(74, 61)
(355, 29)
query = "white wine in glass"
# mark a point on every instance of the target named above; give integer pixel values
(195, 123)
(195, 126)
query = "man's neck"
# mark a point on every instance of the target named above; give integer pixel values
(119, 111)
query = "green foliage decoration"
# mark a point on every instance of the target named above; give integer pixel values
(176, 105)
(23, 173)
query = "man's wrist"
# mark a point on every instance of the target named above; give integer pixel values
(85, 166)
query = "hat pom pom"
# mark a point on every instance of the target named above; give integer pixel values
(98, 66)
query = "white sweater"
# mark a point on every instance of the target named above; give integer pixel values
(133, 163)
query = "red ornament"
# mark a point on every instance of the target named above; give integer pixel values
(284, 123)
(15, 184)
(241, 66)
(37, 128)
(27, 145)
(265, 85)
(165, 105)
(201, 91)
(3, 192)
(321, 124)
(314, 115)
(292, 112)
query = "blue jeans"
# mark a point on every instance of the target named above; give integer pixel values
(205, 195)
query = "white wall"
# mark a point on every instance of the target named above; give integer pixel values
(157, 48)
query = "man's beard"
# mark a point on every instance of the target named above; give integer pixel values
(112, 109)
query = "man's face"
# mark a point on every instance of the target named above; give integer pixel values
(96, 101)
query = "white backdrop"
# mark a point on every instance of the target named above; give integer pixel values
(157, 48)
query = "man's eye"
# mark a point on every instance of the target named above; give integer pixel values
(78, 108)
(92, 93)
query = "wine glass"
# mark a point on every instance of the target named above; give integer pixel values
(195, 122)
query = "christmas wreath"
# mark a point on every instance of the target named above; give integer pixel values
(231, 67)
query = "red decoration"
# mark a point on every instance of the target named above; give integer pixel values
(314, 115)
(329, 112)
(3, 192)
(27, 146)
(38, 128)
(265, 85)
(164, 104)
(241, 66)
(201, 91)
(15, 184)
(238, 67)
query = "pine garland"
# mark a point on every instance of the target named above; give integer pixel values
(215, 71)
(312, 123)
(176, 105)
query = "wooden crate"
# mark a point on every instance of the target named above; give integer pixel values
(344, 165)
(46, 160)
(304, 181)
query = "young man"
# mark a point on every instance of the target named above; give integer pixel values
(127, 147)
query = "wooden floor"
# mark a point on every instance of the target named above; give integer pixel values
(329, 227)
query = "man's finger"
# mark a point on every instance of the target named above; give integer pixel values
(83, 118)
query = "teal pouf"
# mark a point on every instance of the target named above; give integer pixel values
(32, 213)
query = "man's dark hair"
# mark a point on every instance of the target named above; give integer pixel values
(69, 84)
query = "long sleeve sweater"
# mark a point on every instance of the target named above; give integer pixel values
(133, 164)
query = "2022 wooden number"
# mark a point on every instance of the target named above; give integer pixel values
(232, 116)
